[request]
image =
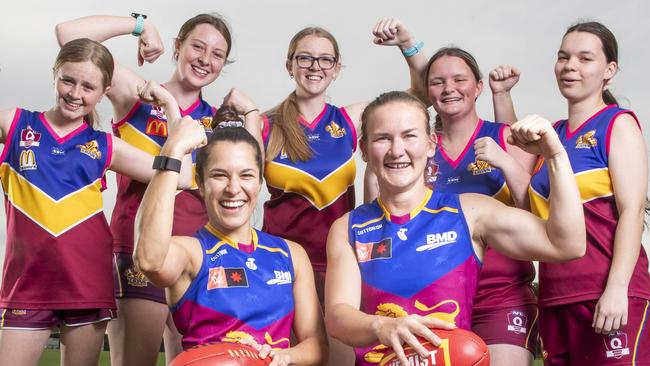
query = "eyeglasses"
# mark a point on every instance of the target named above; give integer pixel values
(324, 62)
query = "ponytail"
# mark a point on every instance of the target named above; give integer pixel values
(608, 98)
(286, 133)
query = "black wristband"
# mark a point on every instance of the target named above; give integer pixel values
(161, 162)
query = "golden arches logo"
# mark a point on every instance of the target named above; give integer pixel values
(156, 127)
(448, 317)
(27, 160)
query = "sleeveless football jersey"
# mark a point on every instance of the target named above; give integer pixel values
(308, 196)
(421, 263)
(241, 291)
(504, 281)
(58, 247)
(585, 278)
(145, 127)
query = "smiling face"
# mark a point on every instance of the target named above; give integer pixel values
(314, 80)
(230, 186)
(452, 87)
(78, 87)
(582, 70)
(201, 55)
(396, 145)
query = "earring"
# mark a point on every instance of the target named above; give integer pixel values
(291, 76)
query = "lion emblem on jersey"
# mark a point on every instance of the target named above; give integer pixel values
(587, 141)
(479, 167)
(91, 148)
(335, 130)
(135, 278)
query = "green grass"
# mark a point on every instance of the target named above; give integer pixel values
(51, 358)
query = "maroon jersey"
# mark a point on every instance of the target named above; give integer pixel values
(58, 253)
(308, 196)
(585, 278)
(145, 127)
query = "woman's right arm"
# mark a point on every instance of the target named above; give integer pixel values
(6, 117)
(123, 92)
(163, 258)
(353, 327)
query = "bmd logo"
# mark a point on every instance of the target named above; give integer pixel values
(437, 240)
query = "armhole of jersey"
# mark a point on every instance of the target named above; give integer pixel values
(266, 129)
(502, 139)
(461, 211)
(10, 135)
(109, 158)
(194, 281)
(611, 127)
(347, 118)
(119, 123)
(350, 233)
(290, 256)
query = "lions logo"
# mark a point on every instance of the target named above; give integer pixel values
(587, 141)
(90, 148)
(135, 278)
(207, 123)
(479, 167)
(335, 130)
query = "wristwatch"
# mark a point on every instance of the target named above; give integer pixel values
(161, 162)
(139, 23)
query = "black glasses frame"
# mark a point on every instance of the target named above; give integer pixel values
(313, 59)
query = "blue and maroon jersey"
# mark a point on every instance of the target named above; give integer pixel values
(420, 263)
(145, 127)
(241, 291)
(308, 196)
(504, 281)
(58, 253)
(585, 278)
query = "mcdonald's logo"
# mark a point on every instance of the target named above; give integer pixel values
(27, 160)
(156, 127)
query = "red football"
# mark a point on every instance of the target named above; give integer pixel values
(220, 354)
(459, 348)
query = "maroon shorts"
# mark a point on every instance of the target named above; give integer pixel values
(130, 283)
(515, 325)
(47, 319)
(569, 339)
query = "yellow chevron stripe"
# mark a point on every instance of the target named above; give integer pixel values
(321, 193)
(364, 224)
(504, 196)
(226, 240)
(54, 216)
(592, 184)
(138, 139)
(438, 210)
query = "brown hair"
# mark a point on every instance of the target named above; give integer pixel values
(82, 50)
(285, 131)
(212, 19)
(469, 60)
(610, 47)
(225, 117)
(387, 98)
(230, 134)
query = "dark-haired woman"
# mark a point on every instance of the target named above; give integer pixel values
(228, 281)
(200, 52)
(594, 310)
(57, 271)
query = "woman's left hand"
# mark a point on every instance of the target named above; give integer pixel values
(278, 357)
(610, 314)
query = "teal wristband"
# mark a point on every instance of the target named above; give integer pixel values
(413, 50)
(139, 24)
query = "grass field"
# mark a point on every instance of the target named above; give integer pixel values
(51, 358)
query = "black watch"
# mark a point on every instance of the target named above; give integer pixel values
(161, 162)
